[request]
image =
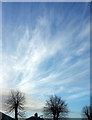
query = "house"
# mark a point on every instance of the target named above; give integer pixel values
(35, 117)
(5, 117)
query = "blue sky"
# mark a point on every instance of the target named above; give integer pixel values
(46, 51)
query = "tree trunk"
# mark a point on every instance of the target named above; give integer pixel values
(53, 117)
(16, 113)
(57, 116)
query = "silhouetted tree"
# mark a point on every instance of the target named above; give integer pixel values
(87, 112)
(55, 107)
(15, 103)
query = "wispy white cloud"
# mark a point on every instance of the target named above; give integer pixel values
(32, 50)
(78, 95)
(75, 89)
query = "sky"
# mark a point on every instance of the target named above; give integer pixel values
(46, 51)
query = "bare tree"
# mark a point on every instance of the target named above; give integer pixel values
(55, 107)
(15, 103)
(87, 112)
